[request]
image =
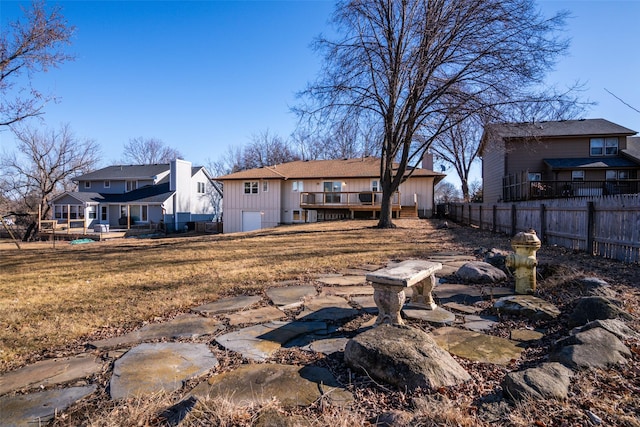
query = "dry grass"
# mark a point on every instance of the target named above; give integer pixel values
(52, 298)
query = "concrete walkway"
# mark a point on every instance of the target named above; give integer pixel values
(152, 359)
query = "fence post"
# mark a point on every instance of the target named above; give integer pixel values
(494, 216)
(480, 214)
(469, 214)
(543, 222)
(513, 219)
(590, 226)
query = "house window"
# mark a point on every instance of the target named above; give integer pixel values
(107, 184)
(265, 186)
(139, 213)
(251, 187)
(604, 146)
(92, 212)
(87, 184)
(374, 185)
(103, 213)
(613, 175)
(535, 176)
(297, 186)
(200, 187)
(333, 188)
(132, 185)
(296, 215)
(577, 175)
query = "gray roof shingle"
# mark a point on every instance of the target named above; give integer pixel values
(584, 127)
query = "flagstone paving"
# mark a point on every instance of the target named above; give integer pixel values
(343, 280)
(261, 341)
(227, 305)
(319, 310)
(50, 372)
(151, 368)
(36, 408)
(188, 325)
(256, 384)
(257, 315)
(477, 346)
(290, 297)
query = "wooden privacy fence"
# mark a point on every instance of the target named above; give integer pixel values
(607, 226)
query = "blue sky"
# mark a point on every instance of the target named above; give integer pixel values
(205, 75)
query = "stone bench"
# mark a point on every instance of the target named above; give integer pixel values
(390, 283)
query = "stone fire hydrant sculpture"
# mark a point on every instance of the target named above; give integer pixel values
(524, 260)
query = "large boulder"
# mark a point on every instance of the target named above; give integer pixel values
(404, 357)
(480, 272)
(593, 348)
(549, 380)
(588, 309)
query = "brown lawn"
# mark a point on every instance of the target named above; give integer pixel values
(51, 298)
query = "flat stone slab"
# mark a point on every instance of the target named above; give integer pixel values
(477, 346)
(525, 335)
(479, 323)
(291, 386)
(438, 316)
(347, 291)
(462, 308)
(151, 368)
(37, 408)
(188, 325)
(327, 308)
(367, 303)
(327, 345)
(468, 294)
(343, 280)
(259, 342)
(405, 274)
(257, 315)
(50, 372)
(527, 306)
(291, 296)
(227, 305)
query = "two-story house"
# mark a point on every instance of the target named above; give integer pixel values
(121, 196)
(570, 158)
(319, 190)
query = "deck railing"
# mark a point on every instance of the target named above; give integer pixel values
(534, 190)
(345, 199)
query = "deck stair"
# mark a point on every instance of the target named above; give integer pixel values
(409, 212)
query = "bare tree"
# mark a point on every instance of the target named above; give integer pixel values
(43, 165)
(28, 47)
(267, 149)
(446, 192)
(458, 146)
(407, 66)
(148, 151)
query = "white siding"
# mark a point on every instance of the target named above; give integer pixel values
(422, 189)
(180, 182)
(200, 203)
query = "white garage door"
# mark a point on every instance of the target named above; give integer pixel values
(251, 221)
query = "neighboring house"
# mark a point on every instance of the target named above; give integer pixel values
(319, 190)
(171, 194)
(570, 158)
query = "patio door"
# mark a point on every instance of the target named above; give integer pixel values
(332, 191)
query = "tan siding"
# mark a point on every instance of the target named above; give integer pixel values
(235, 202)
(493, 171)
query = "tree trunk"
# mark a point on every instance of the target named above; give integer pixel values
(386, 203)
